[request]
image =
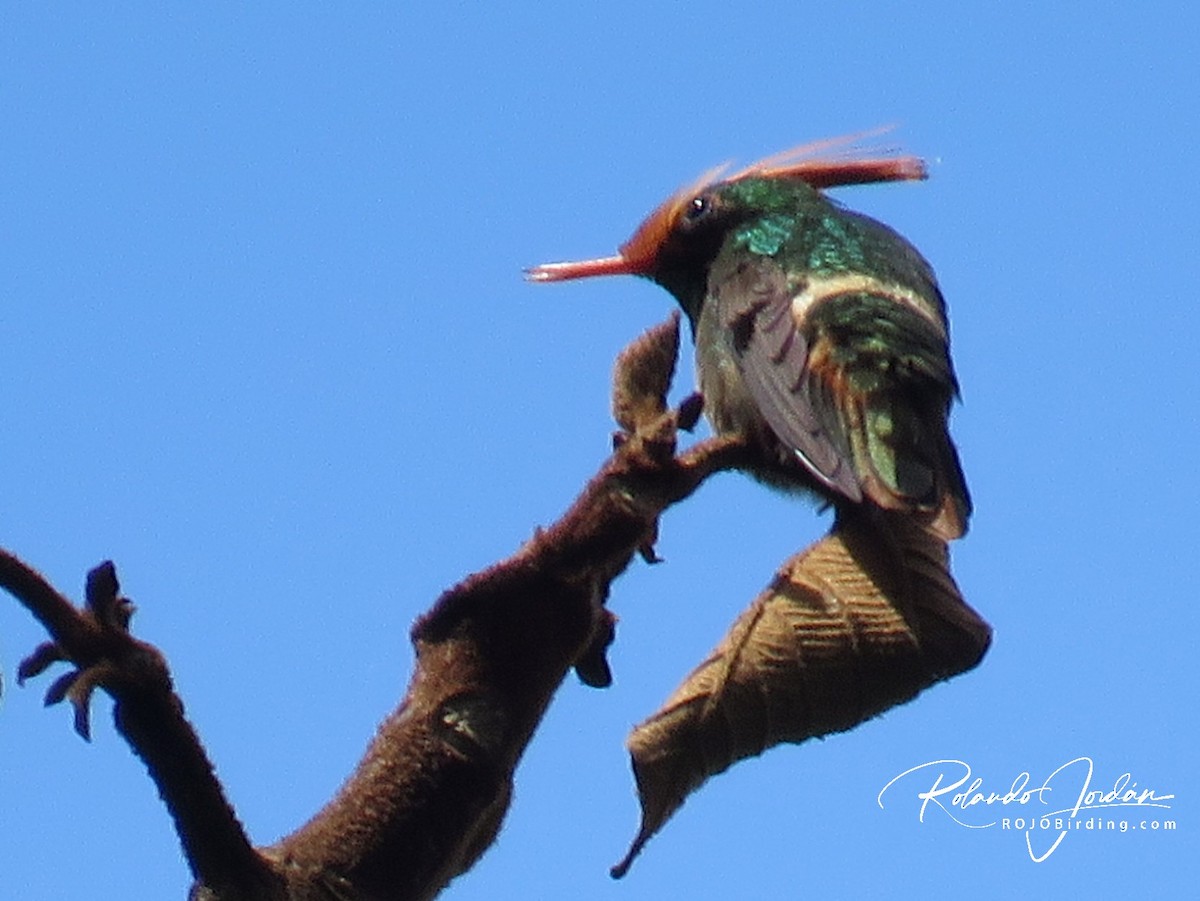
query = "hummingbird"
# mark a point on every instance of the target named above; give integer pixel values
(821, 334)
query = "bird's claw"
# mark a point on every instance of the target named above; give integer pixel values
(43, 657)
(106, 653)
(77, 687)
(648, 554)
(688, 413)
(592, 664)
(104, 601)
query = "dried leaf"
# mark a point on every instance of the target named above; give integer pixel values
(859, 622)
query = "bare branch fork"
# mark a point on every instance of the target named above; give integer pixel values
(429, 795)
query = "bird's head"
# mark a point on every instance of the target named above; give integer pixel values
(677, 242)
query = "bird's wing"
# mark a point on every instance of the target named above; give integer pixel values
(772, 356)
(856, 379)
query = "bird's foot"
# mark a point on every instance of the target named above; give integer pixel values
(98, 643)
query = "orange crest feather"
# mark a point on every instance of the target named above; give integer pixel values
(856, 164)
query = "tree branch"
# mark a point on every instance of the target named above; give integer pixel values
(429, 796)
(148, 714)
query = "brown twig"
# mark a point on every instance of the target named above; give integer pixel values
(429, 795)
(148, 714)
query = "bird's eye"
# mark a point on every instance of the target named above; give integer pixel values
(698, 208)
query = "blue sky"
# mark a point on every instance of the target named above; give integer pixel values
(267, 346)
